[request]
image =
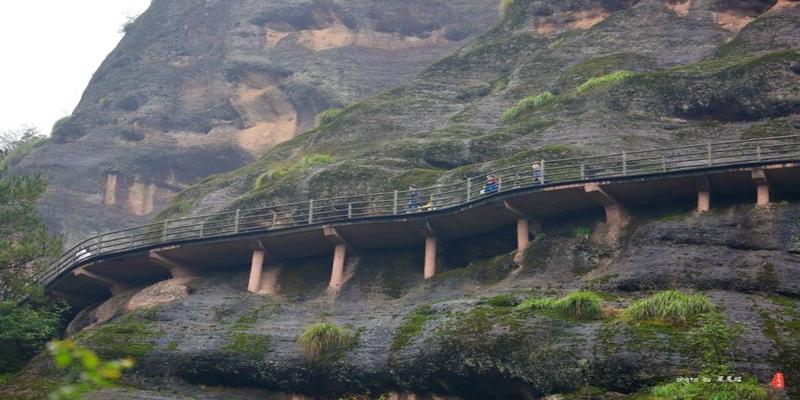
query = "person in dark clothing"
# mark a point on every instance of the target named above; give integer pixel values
(414, 199)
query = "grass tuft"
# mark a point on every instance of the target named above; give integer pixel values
(324, 340)
(748, 390)
(669, 305)
(604, 80)
(327, 116)
(528, 104)
(302, 164)
(578, 305)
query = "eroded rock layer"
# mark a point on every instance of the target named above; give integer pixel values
(203, 87)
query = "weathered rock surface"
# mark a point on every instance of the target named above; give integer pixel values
(202, 87)
(466, 346)
(699, 70)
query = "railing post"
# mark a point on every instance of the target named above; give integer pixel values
(274, 218)
(99, 243)
(469, 188)
(624, 163)
(349, 210)
(664, 163)
(236, 221)
(758, 153)
(709, 153)
(311, 211)
(499, 184)
(394, 203)
(583, 171)
(164, 231)
(542, 164)
(202, 228)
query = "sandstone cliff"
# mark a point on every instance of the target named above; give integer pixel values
(604, 77)
(459, 335)
(620, 74)
(202, 87)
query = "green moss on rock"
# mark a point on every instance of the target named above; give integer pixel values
(248, 343)
(130, 336)
(411, 327)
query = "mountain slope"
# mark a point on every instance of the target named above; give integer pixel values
(202, 87)
(670, 73)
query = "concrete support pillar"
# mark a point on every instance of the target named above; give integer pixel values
(523, 234)
(703, 201)
(430, 256)
(762, 187)
(114, 286)
(337, 272)
(524, 226)
(256, 266)
(339, 256)
(616, 216)
(703, 195)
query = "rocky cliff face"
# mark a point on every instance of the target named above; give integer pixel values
(459, 335)
(669, 72)
(202, 87)
(592, 77)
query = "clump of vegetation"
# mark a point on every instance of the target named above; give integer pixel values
(85, 370)
(130, 22)
(65, 130)
(581, 232)
(503, 300)
(669, 306)
(25, 247)
(710, 343)
(15, 145)
(248, 343)
(748, 390)
(325, 340)
(604, 80)
(26, 329)
(302, 164)
(412, 327)
(528, 104)
(131, 336)
(327, 116)
(242, 341)
(582, 305)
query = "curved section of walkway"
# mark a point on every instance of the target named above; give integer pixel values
(112, 261)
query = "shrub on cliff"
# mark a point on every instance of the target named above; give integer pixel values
(327, 116)
(578, 305)
(609, 79)
(527, 104)
(325, 340)
(669, 305)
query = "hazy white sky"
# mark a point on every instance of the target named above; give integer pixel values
(48, 52)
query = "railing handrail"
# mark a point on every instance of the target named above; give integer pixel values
(460, 192)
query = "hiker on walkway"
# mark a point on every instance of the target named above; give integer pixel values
(491, 185)
(537, 174)
(414, 199)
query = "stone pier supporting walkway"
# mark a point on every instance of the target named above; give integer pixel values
(762, 187)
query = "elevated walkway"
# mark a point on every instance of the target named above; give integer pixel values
(108, 263)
